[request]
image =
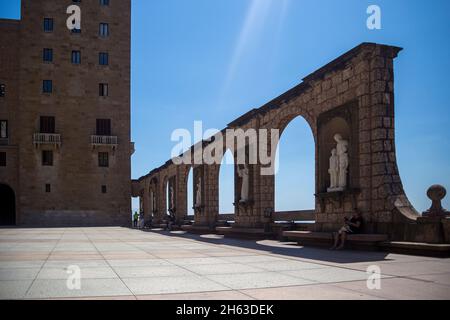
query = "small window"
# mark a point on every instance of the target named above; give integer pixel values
(104, 2)
(2, 90)
(47, 125)
(103, 90)
(48, 25)
(104, 30)
(48, 188)
(47, 158)
(103, 159)
(47, 55)
(3, 129)
(104, 189)
(76, 57)
(103, 127)
(103, 58)
(47, 86)
(2, 159)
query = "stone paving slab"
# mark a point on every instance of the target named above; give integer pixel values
(120, 263)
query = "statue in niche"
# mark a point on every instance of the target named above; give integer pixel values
(339, 163)
(151, 202)
(334, 170)
(172, 198)
(244, 174)
(198, 196)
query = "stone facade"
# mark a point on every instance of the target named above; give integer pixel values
(352, 95)
(75, 190)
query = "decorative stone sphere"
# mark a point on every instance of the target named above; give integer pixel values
(436, 193)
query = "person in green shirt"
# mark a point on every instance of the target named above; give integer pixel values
(135, 219)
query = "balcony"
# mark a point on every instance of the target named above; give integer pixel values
(47, 139)
(104, 141)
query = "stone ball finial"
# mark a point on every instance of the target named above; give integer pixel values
(436, 193)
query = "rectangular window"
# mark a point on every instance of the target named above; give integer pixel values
(103, 127)
(104, 30)
(47, 86)
(76, 57)
(103, 58)
(47, 158)
(3, 129)
(47, 55)
(103, 90)
(103, 159)
(2, 90)
(48, 188)
(48, 25)
(2, 159)
(104, 2)
(47, 125)
(104, 189)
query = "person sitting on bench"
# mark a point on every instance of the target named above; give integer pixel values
(352, 226)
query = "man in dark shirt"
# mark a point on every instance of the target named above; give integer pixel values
(352, 226)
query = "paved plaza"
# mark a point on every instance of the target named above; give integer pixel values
(120, 263)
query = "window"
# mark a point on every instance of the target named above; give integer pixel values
(103, 58)
(47, 125)
(48, 188)
(3, 129)
(76, 57)
(103, 159)
(2, 90)
(47, 86)
(103, 127)
(104, 189)
(104, 30)
(47, 55)
(47, 158)
(104, 2)
(2, 159)
(48, 25)
(103, 90)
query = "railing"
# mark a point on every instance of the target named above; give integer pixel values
(104, 141)
(47, 138)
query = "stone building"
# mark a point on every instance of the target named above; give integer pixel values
(65, 115)
(353, 97)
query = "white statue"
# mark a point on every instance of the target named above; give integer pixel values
(339, 172)
(198, 197)
(172, 199)
(334, 170)
(244, 175)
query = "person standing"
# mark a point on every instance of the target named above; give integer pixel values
(135, 219)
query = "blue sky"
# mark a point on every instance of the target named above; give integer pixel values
(213, 60)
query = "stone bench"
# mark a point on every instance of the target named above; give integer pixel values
(197, 229)
(245, 233)
(326, 239)
(417, 248)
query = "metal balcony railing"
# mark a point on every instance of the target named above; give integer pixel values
(47, 138)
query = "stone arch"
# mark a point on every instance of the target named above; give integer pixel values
(7, 205)
(232, 186)
(279, 161)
